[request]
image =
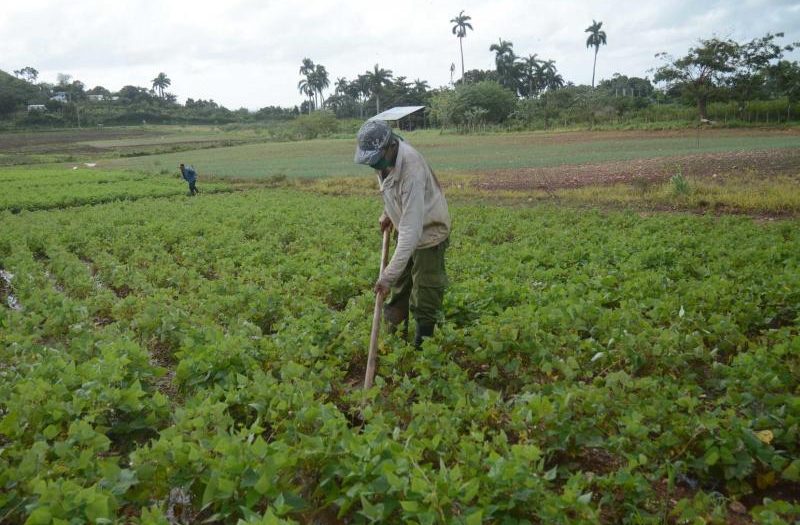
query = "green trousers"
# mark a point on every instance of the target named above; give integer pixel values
(420, 288)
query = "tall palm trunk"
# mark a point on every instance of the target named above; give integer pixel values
(377, 103)
(594, 67)
(461, 45)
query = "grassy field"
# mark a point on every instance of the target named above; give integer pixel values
(463, 153)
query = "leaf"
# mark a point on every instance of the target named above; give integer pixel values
(395, 482)
(598, 355)
(372, 512)
(410, 506)
(711, 457)
(765, 436)
(551, 474)
(681, 312)
(51, 431)
(470, 489)
(585, 498)
(40, 516)
(98, 508)
(476, 518)
(419, 485)
(792, 472)
(765, 481)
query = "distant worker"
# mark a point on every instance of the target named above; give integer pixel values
(191, 177)
(415, 206)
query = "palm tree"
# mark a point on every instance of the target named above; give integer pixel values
(506, 63)
(376, 79)
(160, 83)
(502, 50)
(419, 90)
(306, 88)
(307, 66)
(319, 81)
(460, 30)
(360, 87)
(531, 65)
(342, 85)
(551, 78)
(596, 39)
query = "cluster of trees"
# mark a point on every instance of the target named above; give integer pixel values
(315, 82)
(527, 90)
(722, 69)
(354, 98)
(69, 103)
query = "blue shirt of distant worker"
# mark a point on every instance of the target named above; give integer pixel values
(191, 177)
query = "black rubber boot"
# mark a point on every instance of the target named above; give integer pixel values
(423, 330)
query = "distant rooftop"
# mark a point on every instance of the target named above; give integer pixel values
(397, 113)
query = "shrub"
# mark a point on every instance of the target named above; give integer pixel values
(496, 101)
(317, 124)
(484, 102)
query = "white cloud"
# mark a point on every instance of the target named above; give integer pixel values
(247, 52)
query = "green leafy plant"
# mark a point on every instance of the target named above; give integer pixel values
(680, 186)
(205, 358)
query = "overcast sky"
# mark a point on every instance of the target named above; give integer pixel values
(246, 53)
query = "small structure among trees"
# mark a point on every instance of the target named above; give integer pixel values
(404, 117)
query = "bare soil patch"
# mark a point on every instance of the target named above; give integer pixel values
(761, 163)
(588, 135)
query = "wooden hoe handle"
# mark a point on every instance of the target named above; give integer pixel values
(372, 357)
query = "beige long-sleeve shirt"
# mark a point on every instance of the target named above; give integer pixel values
(414, 201)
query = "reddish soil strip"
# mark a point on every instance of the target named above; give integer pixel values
(760, 163)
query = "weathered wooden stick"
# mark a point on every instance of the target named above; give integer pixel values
(372, 357)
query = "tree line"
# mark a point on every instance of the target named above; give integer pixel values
(529, 89)
(525, 90)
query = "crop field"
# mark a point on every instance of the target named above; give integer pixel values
(739, 171)
(496, 153)
(61, 187)
(31, 147)
(169, 359)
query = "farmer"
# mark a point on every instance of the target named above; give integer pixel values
(413, 203)
(190, 176)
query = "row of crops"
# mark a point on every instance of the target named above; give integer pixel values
(200, 360)
(60, 187)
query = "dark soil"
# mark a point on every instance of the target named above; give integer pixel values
(760, 163)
